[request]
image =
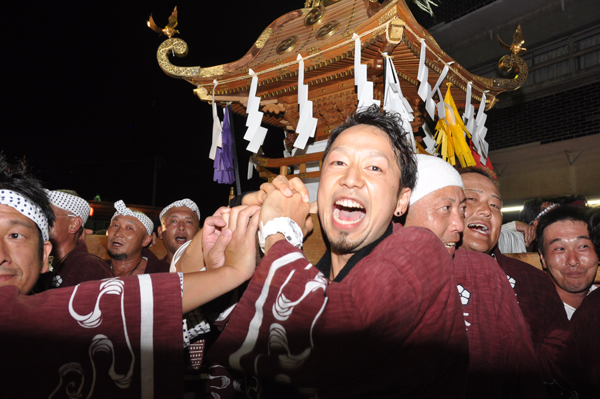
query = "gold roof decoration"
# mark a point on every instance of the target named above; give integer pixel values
(322, 35)
(169, 30)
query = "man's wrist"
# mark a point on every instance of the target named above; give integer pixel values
(281, 225)
(271, 240)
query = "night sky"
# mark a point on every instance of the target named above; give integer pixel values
(88, 107)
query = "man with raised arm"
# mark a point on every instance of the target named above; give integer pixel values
(115, 338)
(376, 317)
(492, 316)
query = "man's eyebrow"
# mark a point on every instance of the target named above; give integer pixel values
(448, 199)
(371, 153)
(563, 239)
(474, 190)
(125, 220)
(17, 222)
(180, 216)
(481, 192)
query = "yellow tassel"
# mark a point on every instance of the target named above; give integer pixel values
(450, 135)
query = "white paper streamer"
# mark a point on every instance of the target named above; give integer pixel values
(481, 130)
(255, 132)
(307, 125)
(364, 88)
(425, 91)
(394, 100)
(428, 140)
(252, 165)
(217, 137)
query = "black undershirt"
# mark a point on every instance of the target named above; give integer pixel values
(324, 264)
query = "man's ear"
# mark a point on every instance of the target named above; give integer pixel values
(45, 254)
(160, 230)
(74, 224)
(147, 241)
(544, 267)
(403, 200)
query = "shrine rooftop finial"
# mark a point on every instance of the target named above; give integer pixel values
(169, 30)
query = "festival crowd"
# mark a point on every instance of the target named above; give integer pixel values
(414, 296)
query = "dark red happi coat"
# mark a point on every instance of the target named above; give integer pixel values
(503, 361)
(393, 327)
(115, 338)
(543, 311)
(581, 356)
(77, 267)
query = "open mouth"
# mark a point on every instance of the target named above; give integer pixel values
(478, 227)
(348, 212)
(451, 245)
(181, 240)
(116, 244)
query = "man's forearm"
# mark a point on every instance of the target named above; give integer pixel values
(202, 287)
(192, 260)
(272, 239)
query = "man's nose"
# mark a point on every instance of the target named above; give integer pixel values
(484, 209)
(457, 221)
(352, 177)
(572, 258)
(3, 253)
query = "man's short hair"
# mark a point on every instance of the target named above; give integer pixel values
(593, 216)
(559, 214)
(17, 178)
(390, 123)
(479, 170)
(531, 208)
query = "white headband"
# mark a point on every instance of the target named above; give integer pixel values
(433, 173)
(123, 210)
(76, 205)
(184, 202)
(26, 208)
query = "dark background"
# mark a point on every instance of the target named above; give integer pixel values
(86, 104)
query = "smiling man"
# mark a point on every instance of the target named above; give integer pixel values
(379, 314)
(536, 295)
(492, 316)
(568, 254)
(438, 201)
(179, 223)
(24, 240)
(127, 239)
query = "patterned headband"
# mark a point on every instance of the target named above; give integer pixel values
(545, 211)
(76, 205)
(184, 202)
(123, 210)
(26, 208)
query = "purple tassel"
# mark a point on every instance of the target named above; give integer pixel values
(223, 163)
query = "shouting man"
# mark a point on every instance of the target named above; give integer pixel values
(179, 223)
(379, 314)
(127, 239)
(492, 316)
